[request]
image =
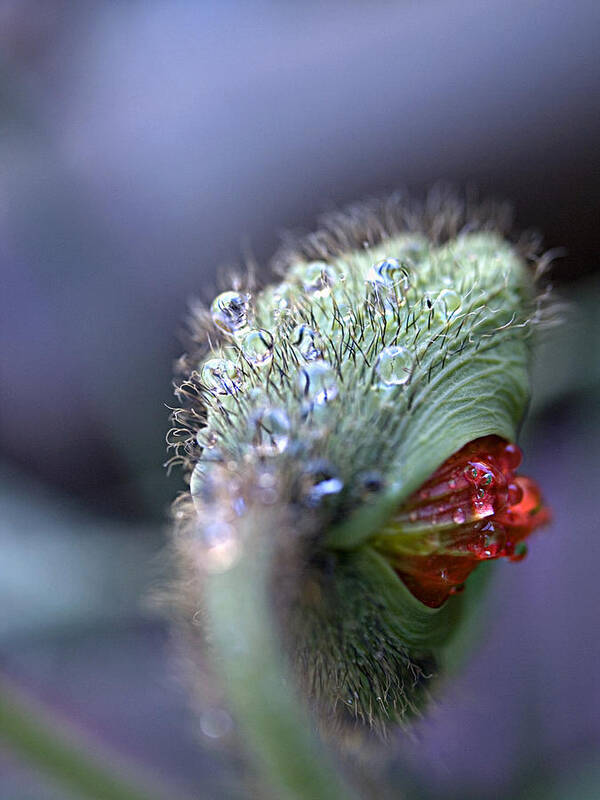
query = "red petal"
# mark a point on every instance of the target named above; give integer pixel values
(473, 508)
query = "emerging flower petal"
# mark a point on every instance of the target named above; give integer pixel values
(473, 508)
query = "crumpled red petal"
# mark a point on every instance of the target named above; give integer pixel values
(473, 508)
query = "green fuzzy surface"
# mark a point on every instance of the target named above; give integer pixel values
(374, 379)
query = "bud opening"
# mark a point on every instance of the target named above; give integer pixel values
(473, 508)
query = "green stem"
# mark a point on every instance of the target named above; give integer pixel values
(271, 718)
(46, 745)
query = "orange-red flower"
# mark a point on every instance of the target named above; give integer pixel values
(473, 508)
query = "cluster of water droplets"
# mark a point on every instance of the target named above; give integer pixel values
(323, 288)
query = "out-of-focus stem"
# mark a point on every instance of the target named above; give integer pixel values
(45, 744)
(274, 724)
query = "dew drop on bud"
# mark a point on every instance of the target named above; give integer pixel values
(515, 494)
(389, 272)
(369, 484)
(201, 483)
(319, 480)
(459, 516)
(318, 382)
(257, 346)
(448, 303)
(230, 311)
(343, 309)
(305, 340)
(393, 366)
(221, 376)
(278, 299)
(275, 425)
(197, 479)
(206, 438)
(317, 277)
(215, 723)
(222, 547)
(512, 455)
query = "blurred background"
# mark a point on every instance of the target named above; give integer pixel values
(144, 147)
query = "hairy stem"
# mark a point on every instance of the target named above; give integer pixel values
(276, 727)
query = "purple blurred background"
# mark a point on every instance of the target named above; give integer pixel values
(147, 145)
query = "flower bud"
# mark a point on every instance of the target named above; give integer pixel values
(368, 417)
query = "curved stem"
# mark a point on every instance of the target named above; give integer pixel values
(43, 742)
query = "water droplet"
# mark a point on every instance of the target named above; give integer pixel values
(515, 494)
(197, 479)
(275, 427)
(305, 339)
(512, 455)
(390, 272)
(276, 300)
(319, 480)
(206, 438)
(393, 365)
(230, 311)
(459, 516)
(220, 376)
(492, 541)
(201, 482)
(267, 483)
(318, 277)
(343, 310)
(318, 382)
(257, 346)
(215, 723)
(448, 304)
(370, 483)
(222, 548)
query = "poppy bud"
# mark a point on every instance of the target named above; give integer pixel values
(355, 422)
